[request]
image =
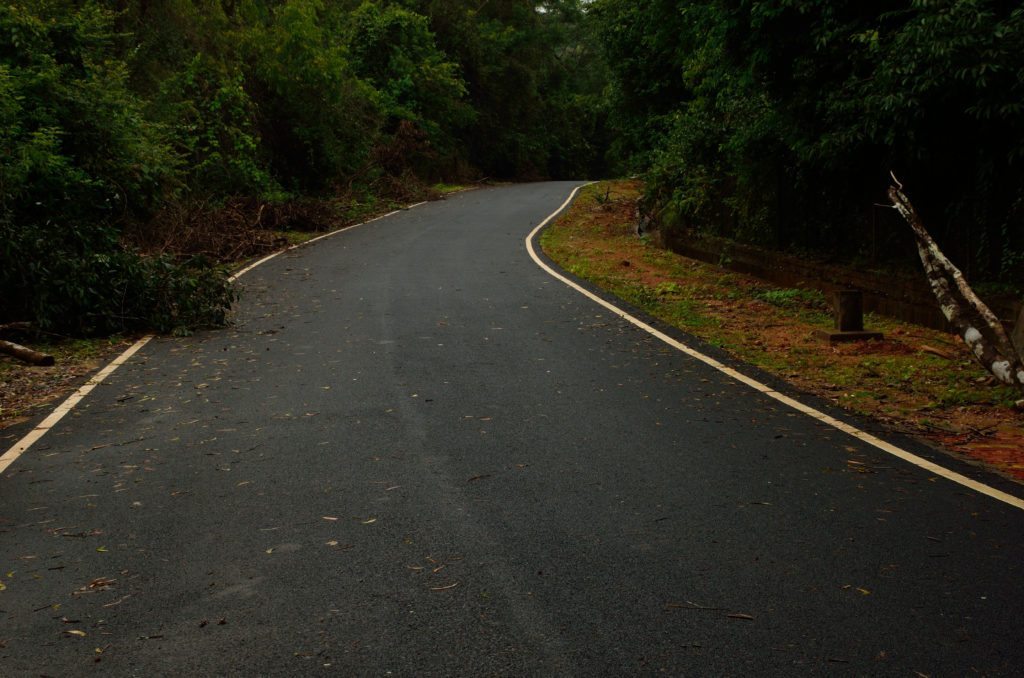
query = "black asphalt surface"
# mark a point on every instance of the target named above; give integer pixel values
(416, 453)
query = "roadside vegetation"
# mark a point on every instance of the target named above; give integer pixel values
(919, 381)
(777, 123)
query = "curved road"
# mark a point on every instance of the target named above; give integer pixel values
(416, 453)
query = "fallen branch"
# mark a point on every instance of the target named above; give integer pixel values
(24, 353)
(980, 329)
(925, 348)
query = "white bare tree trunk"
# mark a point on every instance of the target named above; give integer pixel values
(977, 325)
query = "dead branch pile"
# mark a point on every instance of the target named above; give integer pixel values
(235, 230)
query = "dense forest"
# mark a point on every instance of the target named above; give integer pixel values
(777, 122)
(130, 126)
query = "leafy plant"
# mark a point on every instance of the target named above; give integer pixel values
(793, 298)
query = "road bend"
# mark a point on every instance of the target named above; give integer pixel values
(416, 453)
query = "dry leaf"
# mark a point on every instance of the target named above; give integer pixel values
(76, 632)
(329, 518)
(444, 588)
(371, 520)
(740, 615)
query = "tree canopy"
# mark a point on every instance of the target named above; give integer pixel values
(778, 121)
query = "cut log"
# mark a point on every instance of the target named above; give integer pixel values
(974, 321)
(25, 353)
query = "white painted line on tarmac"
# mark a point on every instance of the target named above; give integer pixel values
(296, 246)
(39, 431)
(857, 433)
(33, 436)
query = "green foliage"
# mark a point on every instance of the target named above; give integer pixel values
(212, 122)
(78, 157)
(318, 121)
(794, 298)
(394, 50)
(80, 281)
(787, 141)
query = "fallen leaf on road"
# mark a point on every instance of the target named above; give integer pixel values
(371, 520)
(444, 588)
(269, 551)
(740, 615)
(76, 632)
(479, 477)
(118, 601)
(101, 549)
(689, 605)
(329, 518)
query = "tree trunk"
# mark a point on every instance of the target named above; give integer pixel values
(973, 320)
(1017, 337)
(25, 353)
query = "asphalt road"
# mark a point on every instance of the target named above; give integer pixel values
(416, 453)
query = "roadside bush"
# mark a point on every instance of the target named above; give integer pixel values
(77, 160)
(83, 282)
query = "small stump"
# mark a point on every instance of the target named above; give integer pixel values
(849, 306)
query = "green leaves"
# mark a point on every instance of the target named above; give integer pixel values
(777, 121)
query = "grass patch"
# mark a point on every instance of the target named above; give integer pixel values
(445, 189)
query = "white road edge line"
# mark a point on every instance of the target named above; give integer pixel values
(33, 436)
(863, 436)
